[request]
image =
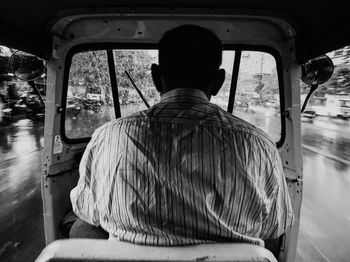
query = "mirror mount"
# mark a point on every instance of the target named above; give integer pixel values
(37, 92)
(315, 72)
(312, 89)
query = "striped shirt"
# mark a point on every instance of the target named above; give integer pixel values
(183, 172)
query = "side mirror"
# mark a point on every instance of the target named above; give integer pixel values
(316, 72)
(26, 66)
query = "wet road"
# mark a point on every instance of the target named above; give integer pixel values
(325, 214)
(21, 222)
(325, 218)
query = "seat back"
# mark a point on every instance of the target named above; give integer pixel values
(104, 250)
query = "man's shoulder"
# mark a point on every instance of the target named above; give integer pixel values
(241, 126)
(216, 116)
(107, 127)
(119, 122)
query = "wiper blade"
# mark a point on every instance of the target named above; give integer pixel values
(137, 89)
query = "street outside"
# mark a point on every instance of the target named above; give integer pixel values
(325, 214)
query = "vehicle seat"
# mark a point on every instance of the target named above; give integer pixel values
(113, 250)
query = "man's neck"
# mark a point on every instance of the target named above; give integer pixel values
(184, 94)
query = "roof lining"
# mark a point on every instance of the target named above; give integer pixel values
(311, 39)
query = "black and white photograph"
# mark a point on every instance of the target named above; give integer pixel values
(180, 131)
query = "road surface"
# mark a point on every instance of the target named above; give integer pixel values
(325, 218)
(21, 222)
(324, 234)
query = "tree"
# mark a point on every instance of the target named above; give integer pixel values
(90, 71)
(340, 80)
(138, 64)
(5, 51)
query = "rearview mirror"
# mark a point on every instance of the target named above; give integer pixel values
(317, 71)
(26, 66)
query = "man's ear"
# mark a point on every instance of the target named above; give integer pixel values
(217, 82)
(157, 77)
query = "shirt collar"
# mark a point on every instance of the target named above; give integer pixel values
(185, 95)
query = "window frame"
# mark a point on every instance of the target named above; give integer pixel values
(237, 48)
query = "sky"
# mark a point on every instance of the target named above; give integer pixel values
(5, 51)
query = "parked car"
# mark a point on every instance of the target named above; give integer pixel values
(73, 107)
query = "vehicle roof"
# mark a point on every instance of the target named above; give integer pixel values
(321, 26)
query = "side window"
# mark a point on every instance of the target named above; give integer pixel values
(257, 95)
(89, 96)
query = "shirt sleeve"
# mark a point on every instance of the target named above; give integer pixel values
(84, 195)
(278, 215)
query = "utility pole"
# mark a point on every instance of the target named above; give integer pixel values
(261, 67)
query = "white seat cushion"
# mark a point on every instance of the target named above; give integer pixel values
(104, 250)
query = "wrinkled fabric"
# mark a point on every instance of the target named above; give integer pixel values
(183, 172)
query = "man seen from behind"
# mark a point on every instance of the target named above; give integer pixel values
(184, 171)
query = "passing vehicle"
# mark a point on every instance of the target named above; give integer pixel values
(83, 42)
(337, 106)
(318, 104)
(345, 107)
(309, 113)
(30, 104)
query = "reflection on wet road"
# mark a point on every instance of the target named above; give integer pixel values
(21, 230)
(325, 218)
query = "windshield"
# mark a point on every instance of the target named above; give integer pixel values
(255, 91)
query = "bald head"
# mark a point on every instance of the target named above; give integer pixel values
(189, 57)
